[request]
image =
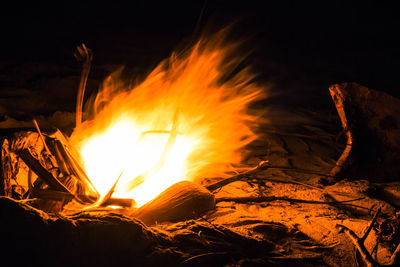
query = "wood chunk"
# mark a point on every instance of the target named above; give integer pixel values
(371, 121)
(5, 169)
(181, 201)
(40, 171)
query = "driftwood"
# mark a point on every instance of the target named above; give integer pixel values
(182, 201)
(371, 122)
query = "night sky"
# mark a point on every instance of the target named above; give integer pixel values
(301, 47)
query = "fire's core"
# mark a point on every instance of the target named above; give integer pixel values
(187, 119)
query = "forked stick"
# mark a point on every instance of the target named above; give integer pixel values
(359, 244)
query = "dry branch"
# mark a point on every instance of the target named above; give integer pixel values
(339, 99)
(273, 198)
(103, 202)
(261, 167)
(359, 244)
(41, 172)
(84, 54)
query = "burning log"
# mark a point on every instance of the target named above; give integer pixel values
(181, 201)
(42, 167)
(371, 122)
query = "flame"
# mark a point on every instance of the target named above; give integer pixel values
(187, 119)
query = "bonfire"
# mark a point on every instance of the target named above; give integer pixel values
(170, 163)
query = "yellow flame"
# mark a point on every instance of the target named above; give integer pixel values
(187, 119)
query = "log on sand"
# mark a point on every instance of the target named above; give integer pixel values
(181, 201)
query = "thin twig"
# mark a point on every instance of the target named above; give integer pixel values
(273, 198)
(202, 255)
(299, 170)
(107, 196)
(313, 137)
(359, 244)
(261, 167)
(370, 226)
(41, 136)
(369, 261)
(213, 225)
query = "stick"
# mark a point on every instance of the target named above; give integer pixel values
(299, 170)
(338, 99)
(41, 136)
(273, 198)
(41, 172)
(122, 202)
(313, 137)
(395, 257)
(371, 224)
(61, 196)
(70, 166)
(263, 165)
(203, 255)
(85, 54)
(110, 192)
(359, 244)
(173, 133)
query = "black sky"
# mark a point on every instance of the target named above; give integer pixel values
(299, 45)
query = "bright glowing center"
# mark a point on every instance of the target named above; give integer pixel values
(148, 165)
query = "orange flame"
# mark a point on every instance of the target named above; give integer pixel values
(187, 119)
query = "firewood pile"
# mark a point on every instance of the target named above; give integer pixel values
(272, 214)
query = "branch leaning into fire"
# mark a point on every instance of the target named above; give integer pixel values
(263, 165)
(84, 54)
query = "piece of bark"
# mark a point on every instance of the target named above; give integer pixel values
(371, 121)
(41, 171)
(181, 201)
(5, 169)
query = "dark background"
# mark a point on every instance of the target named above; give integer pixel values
(300, 47)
